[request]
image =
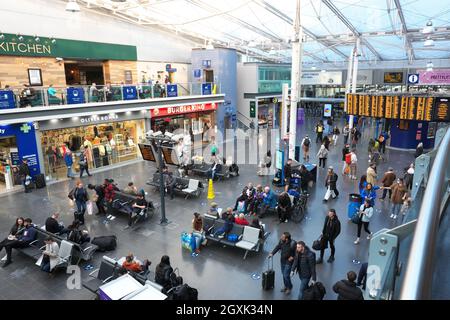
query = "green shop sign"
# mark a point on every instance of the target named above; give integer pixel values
(13, 45)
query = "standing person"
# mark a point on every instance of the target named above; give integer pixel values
(387, 181)
(305, 265)
(24, 172)
(304, 179)
(319, 131)
(268, 162)
(369, 193)
(386, 137)
(362, 184)
(371, 174)
(284, 207)
(99, 197)
(336, 134)
(81, 197)
(322, 155)
(326, 141)
(346, 132)
(409, 176)
(347, 289)
(365, 213)
(83, 162)
(306, 143)
(68, 159)
(419, 150)
(331, 229)
(22, 240)
(110, 193)
(353, 164)
(398, 192)
(287, 174)
(287, 247)
(331, 185)
(346, 159)
(355, 137)
(49, 258)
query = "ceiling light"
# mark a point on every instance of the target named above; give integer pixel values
(323, 70)
(313, 68)
(72, 6)
(428, 28)
(430, 66)
(429, 42)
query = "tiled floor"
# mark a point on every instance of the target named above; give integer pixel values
(217, 273)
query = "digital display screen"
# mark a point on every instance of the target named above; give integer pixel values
(441, 110)
(147, 152)
(279, 160)
(170, 156)
(393, 77)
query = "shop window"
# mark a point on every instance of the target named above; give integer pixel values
(403, 125)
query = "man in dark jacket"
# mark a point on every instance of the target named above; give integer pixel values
(287, 247)
(387, 180)
(284, 207)
(305, 265)
(52, 225)
(110, 192)
(331, 184)
(347, 289)
(23, 241)
(162, 273)
(287, 173)
(100, 192)
(24, 171)
(331, 229)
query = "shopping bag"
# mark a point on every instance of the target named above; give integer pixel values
(90, 208)
(187, 241)
(347, 170)
(241, 207)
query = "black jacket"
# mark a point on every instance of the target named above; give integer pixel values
(24, 170)
(332, 230)
(162, 274)
(305, 264)
(287, 171)
(52, 225)
(344, 152)
(80, 194)
(284, 201)
(331, 181)
(287, 250)
(347, 290)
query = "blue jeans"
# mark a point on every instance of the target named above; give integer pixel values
(396, 208)
(303, 286)
(69, 172)
(81, 206)
(198, 239)
(286, 271)
(45, 267)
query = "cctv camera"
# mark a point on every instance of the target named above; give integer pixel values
(59, 59)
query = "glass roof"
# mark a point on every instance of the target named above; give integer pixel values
(262, 28)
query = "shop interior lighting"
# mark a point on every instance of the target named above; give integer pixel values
(72, 6)
(428, 28)
(429, 42)
(313, 68)
(53, 40)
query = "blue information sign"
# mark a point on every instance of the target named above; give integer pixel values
(197, 73)
(206, 63)
(129, 93)
(75, 95)
(206, 88)
(7, 99)
(172, 90)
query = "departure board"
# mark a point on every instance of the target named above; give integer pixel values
(412, 108)
(395, 107)
(361, 105)
(374, 106)
(404, 108)
(388, 107)
(170, 156)
(429, 104)
(367, 106)
(441, 110)
(349, 100)
(380, 107)
(420, 108)
(147, 152)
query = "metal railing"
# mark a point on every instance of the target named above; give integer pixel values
(419, 272)
(54, 96)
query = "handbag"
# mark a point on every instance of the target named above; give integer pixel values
(317, 244)
(356, 219)
(71, 194)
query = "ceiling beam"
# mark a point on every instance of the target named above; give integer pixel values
(288, 19)
(348, 24)
(408, 46)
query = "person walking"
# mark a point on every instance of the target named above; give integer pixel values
(346, 159)
(347, 289)
(331, 185)
(306, 143)
(398, 192)
(409, 176)
(336, 134)
(305, 265)
(68, 159)
(331, 229)
(287, 174)
(419, 150)
(371, 174)
(353, 164)
(322, 155)
(370, 193)
(387, 181)
(346, 132)
(365, 213)
(319, 132)
(83, 162)
(81, 197)
(287, 247)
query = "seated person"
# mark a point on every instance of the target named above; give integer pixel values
(269, 201)
(227, 214)
(258, 197)
(229, 222)
(28, 235)
(130, 264)
(251, 190)
(214, 211)
(162, 273)
(139, 204)
(284, 207)
(241, 220)
(15, 231)
(76, 235)
(131, 189)
(49, 258)
(234, 170)
(256, 224)
(216, 167)
(51, 91)
(242, 198)
(304, 179)
(169, 181)
(53, 226)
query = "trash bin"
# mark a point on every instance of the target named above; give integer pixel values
(354, 202)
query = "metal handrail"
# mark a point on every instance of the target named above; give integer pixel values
(419, 271)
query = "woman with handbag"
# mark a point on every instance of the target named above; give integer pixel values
(331, 229)
(365, 213)
(81, 197)
(83, 163)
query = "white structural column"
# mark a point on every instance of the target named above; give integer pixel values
(354, 74)
(295, 80)
(284, 113)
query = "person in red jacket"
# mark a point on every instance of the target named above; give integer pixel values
(110, 192)
(241, 220)
(132, 265)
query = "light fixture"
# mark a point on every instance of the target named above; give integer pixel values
(430, 66)
(323, 70)
(429, 42)
(428, 28)
(72, 6)
(36, 38)
(313, 68)
(19, 37)
(209, 46)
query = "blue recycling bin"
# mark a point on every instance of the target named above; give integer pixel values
(354, 202)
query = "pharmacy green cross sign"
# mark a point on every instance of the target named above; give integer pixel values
(25, 128)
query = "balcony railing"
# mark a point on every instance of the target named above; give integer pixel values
(21, 97)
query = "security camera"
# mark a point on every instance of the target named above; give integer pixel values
(59, 59)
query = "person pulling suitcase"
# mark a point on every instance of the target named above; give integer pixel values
(287, 247)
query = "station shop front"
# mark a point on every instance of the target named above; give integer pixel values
(108, 139)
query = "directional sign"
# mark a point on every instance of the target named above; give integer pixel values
(172, 90)
(413, 78)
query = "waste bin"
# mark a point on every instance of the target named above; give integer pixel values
(354, 202)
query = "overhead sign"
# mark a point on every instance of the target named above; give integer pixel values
(413, 78)
(403, 107)
(169, 111)
(147, 152)
(437, 77)
(197, 73)
(206, 88)
(7, 99)
(75, 95)
(364, 77)
(393, 77)
(172, 90)
(325, 78)
(206, 63)
(327, 110)
(129, 92)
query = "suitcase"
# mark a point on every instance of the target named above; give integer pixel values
(268, 276)
(105, 243)
(40, 181)
(77, 216)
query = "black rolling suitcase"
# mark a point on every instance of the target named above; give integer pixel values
(40, 181)
(268, 276)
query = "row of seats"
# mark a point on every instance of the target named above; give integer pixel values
(186, 187)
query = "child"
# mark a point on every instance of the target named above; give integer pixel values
(406, 203)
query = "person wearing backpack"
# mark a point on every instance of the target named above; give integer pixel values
(347, 289)
(162, 273)
(306, 143)
(287, 247)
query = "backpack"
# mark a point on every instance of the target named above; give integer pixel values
(348, 158)
(183, 292)
(307, 142)
(315, 292)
